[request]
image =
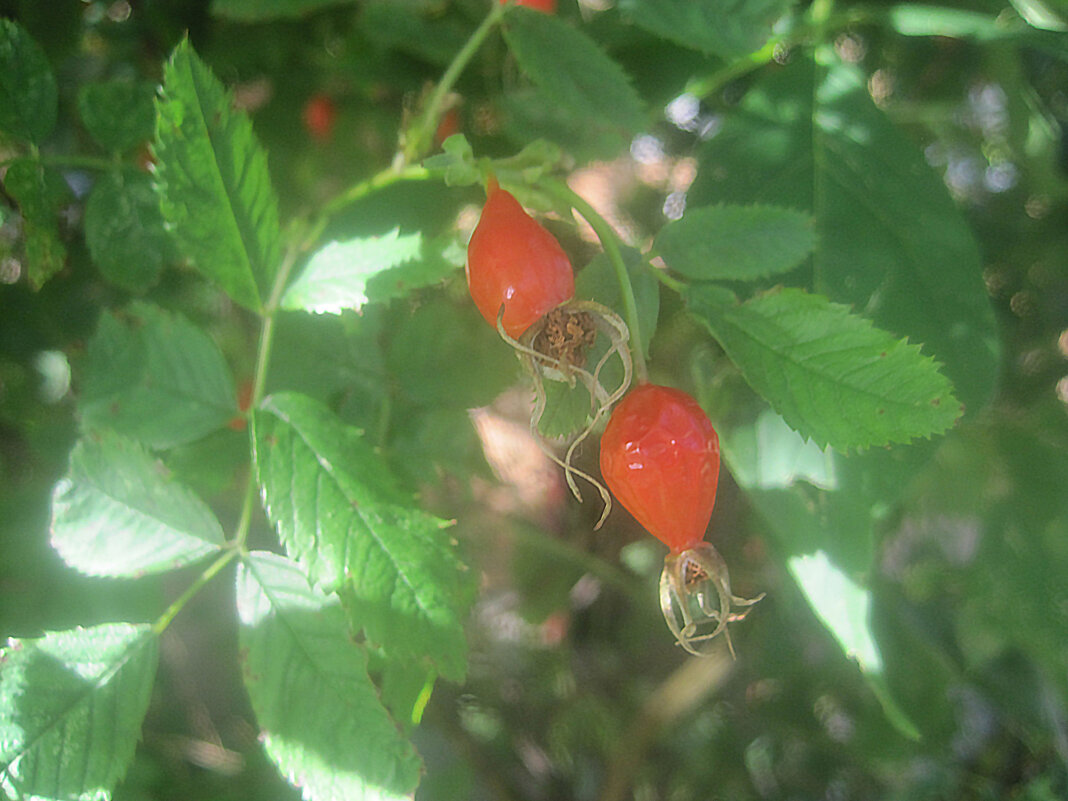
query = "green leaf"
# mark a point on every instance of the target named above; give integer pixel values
(337, 276)
(572, 70)
(438, 259)
(329, 356)
(532, 115)
(40, 193)
(124, 230)
(831, 374)
(597, 281)
(156, 377)
(319, 713)
(258, 10)
(405, 689)
(117, 513)
(71, 706)
(567, 409)
(844, 607)
(776, 456)
(119, 115)
(28, 95)
(890, 240)
(736, 243)
(443, 356)
(457, 160)
(215, 190)
(727, 28)
(341, 514)
(415, 29)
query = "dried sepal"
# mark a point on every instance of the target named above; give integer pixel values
(696, 598)
(555, 349)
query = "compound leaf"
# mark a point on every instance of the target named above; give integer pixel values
(156, 377)
(215, 190)
(321, 718)
(890, 240)
(116, 513)
(831, 374)
(341, 514)
(71, 706)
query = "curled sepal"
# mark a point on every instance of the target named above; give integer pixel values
(696, 598)
(556, 348)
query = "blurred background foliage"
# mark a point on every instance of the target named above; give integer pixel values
(574, 689)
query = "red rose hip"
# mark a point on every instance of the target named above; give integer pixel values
(512, 261)
(660, 458)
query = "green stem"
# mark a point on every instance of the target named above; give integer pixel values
(381, 180)
(259, 381)
(610, 242)
(263, 352)
(209, 573)
(421, 133)
(674, 284)
(703, 87)
(821, 23)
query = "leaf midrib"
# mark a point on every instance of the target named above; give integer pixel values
(84, 696)
(198, 90)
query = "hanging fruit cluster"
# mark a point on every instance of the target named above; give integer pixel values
(659, 451)
(522, 283)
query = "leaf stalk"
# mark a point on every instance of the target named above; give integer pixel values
(610, 242)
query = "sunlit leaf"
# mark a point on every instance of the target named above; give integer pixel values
(116, 513)
(156, 377)
(71, 706)
(321, 719)
(832, 375)
(216, 194)
(736, 243)
(337, 276)
(774, 456)
(341, 514)
(28, 94)
(438, 259)
(891, 243)
(844, 607)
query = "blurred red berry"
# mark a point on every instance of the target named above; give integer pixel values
(319, 115)
(548, 6)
